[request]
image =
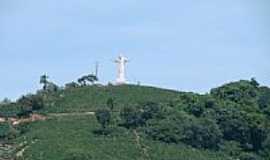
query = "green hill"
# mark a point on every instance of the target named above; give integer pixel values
(140, 123)
(90, 98)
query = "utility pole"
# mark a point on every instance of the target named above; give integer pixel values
(97, 69)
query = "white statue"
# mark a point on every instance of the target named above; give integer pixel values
(121, 70)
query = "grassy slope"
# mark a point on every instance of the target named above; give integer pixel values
(92, 97)
(59, 138)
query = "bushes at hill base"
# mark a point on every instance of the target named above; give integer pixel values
(9, 110)
(168, 129)
(176, 127)
(182, 128)
(249, 129)
(231, 113)
(131, 117)
(203, 133)
(137, 116)
(103, 117)
(4, 130)
(7, 131)
(30, 103)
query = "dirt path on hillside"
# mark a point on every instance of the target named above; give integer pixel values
(143, 147)
(71, 114)
(17, 121)
(39, 117)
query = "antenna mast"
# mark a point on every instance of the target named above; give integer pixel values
(97, 67)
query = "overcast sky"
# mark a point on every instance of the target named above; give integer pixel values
(189, 45)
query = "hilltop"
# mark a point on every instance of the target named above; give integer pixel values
(139, 122)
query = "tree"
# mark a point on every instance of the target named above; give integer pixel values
(152, 110)
(7, 131)
(26, 106)
(103, 117)
(51, 87)
(87, 78)
(242, 92)
(247, 128)
(110, 103)
(91, 78)
(37, 102)
(197, 109)
(82, 81)
(266, 146)
(202, 133)
(132, 117)
(264, 98)
(44, 80)
(30, 103)
(257, 130)
(4, 129)
(6, 101)
(254, 83)
(233, 124)
(47, 85)
(168, 129)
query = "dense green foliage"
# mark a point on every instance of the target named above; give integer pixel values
(103, 117)
(87, 78)
(230, 122)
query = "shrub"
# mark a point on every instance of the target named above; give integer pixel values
(132, 117)
(9, 110)
(103, 117)
(111, 103)
(231, 148)
(37, 102)
(233, 124)
(249, 156)
(7, 131)
(152, 110)
(181, 127)
(266, 147)
(197, 109)
(30, 103)
(166, 130)
(202, 133)
(4, 130)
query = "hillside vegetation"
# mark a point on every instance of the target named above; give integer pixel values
(140, 123)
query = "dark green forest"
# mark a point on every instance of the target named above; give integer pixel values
(138, 122)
